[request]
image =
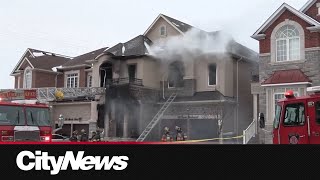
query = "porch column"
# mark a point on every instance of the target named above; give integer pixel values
(113, 119)
(106, 121)
(125, 122)
(93, 118)
(255, 110)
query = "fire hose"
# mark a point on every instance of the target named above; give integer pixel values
(213, 139)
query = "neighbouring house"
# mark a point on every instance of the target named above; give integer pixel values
(289, 43)
(209, 86)
(48, 72)
(35, 69)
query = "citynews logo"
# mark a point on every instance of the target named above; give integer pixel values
(42, 161)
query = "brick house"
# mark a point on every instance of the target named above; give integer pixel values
(48, 72)
(289, 43)
(210, 87)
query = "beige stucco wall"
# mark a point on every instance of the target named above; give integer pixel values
(154, 33)
(224, 74)
(151, 73)
(73, 110)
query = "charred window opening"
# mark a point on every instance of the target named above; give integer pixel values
(132, 71)
(105, 74)
(212, 76)
(176, 74)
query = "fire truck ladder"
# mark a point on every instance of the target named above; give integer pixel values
(156, 118)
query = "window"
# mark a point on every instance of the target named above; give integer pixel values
(89, 80)
(38, 116)
(287, 44)
(318, 6)
(28, 78)
(294, 115)
(176, 74)
(72, 80)
(11, 115)
(317, 106)
(132, 68)
(212, 75)
(163, 31)
(277, 116)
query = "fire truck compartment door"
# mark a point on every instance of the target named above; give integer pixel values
(314, 118)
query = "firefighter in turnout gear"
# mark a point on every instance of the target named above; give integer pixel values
(166, 136)
(180, 135)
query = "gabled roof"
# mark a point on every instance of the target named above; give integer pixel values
(286, 76)
(176, 24)
(80, 60)
(41, 60)
(137, 46)
(48, 62)
(306, 6)
(278, 12)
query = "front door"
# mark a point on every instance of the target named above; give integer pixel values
(314, 118)
(294, 126)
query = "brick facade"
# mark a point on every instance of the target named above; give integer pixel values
(311, 39)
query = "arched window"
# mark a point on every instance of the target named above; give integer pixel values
(27, 82)
(287, 44)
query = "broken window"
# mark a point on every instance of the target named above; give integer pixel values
(132, 68)
(106, 74)
(176, 74)
(212, 79)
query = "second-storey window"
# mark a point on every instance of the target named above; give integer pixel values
(72, 80)
(287, 44)
(212, 75)
(89, 80)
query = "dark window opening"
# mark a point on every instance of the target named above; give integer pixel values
(132, 69)
(105, 74)
(294, 115)
(176, 74)
(212, 75)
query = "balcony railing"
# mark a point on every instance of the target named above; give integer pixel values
(124, 81)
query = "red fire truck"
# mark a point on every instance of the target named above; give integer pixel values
(22, 118)
(297, 119)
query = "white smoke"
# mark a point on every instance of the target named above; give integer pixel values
(193, 43)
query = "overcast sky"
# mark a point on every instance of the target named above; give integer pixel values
(74, 27)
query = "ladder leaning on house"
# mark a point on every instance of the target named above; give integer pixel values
(156, 118)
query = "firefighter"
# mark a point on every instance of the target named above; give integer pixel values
(74, 136)
(166, 136)
(179, 136)
(84, 136)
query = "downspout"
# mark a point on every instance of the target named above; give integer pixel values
(237, 118)
(163, 86)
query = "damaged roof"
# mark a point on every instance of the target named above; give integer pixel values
(45, 60)
(80, 60)
(137, 46)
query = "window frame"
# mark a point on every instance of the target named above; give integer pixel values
(27, 72)
(304, 114)
(164, 29)
(67, 78)
(208, 75)
(289, 57)
(89, 80)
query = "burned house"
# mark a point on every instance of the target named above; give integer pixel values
(211, 86)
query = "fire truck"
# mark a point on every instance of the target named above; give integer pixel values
(296, 119)
(23, 118)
